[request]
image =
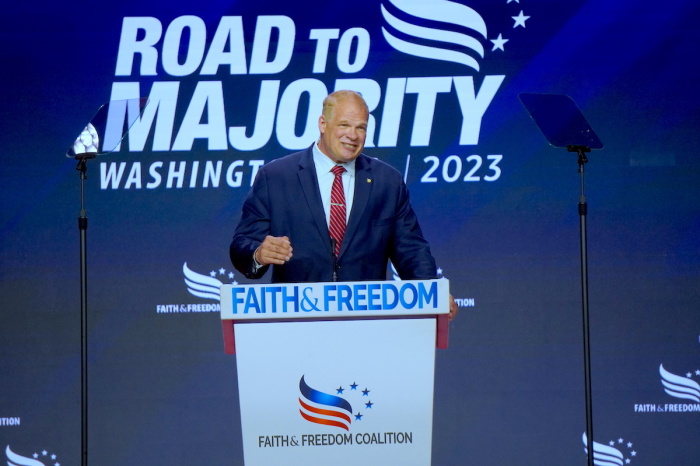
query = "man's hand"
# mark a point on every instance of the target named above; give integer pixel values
(274, 250)
(454, 309)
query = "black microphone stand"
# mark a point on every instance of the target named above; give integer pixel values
(583, 212)
(82, 227)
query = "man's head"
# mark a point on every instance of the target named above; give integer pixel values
(343, 126)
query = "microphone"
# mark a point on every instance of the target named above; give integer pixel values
(335, 260)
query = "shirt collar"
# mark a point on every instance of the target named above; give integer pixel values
(324, 164)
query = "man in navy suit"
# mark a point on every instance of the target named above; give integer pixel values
(285, 218)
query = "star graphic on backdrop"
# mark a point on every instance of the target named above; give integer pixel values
(628, 461)
(629, 444)
(633, 453)
(516, 1)
(498, 43)
(358, 417)
(212, 274)
(353, 386)
(697, 372)
(222, 271)
(689, 375)
(612, 443)
(230, 275)
(369, 405)
(365, 392)
(620, 440)
(339, 390)
(520, 20)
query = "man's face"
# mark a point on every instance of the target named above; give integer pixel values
(343, 134)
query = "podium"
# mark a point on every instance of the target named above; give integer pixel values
(336, 373)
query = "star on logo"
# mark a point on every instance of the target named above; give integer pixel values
(358, 417)
(520, 20)
(498, 43)
(339, 390)
(353, 386)
(365, 392)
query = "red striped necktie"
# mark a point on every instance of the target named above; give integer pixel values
(338, 212)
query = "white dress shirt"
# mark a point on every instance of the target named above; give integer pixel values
(325, 181)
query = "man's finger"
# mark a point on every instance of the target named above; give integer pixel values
(274, 250)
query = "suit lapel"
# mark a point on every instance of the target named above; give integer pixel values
(309, 185)
(363, 188)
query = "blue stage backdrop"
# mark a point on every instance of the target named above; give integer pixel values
(235, 84)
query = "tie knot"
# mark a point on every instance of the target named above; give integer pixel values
(338, 170)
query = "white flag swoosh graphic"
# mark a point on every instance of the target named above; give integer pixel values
(679, 387)
(16, 460)
(202, 286)
(433, 34)
(604, 455)
(443, 11)
(436, 42)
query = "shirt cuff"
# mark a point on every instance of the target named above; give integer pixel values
(256, 265)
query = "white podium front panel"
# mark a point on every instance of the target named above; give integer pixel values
(337, 392)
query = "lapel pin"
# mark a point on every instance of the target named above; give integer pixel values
(369, 180)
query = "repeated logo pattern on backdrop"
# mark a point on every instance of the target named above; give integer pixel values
(683, 394)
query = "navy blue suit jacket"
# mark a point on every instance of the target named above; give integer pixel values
(285, 201)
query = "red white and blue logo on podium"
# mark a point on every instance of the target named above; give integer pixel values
(328, 409)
